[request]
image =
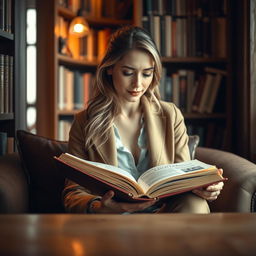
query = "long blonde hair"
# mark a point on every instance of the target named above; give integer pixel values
(104, 105)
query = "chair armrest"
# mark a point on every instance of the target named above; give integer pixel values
(239, 192)
(13, 185)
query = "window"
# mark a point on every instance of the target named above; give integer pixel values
(31, 71)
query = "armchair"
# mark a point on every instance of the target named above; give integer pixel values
(30, 182)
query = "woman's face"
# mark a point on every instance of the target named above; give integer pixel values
(132, 75)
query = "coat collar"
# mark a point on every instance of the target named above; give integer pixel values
(155, 124)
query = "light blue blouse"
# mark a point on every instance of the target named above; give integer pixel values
(125, 158)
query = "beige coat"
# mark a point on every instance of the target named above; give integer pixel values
(167, 143)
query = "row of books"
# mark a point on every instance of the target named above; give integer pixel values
(91, 47)
(185, 7)
(73, 88)
(211, 134)
(6, 144)
(6, 15)
(117, 9)
(6, 83)
(188, 36)
(193, 92)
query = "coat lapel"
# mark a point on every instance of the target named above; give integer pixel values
(155, 124)
(107, 151)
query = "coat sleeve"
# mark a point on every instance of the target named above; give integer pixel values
(180, 138)
(76, 197)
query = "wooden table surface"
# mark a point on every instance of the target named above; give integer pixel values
(141, 234)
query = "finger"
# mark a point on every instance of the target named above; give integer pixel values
(215, 187)
(107, 197)
(206, 194)
(221, 171)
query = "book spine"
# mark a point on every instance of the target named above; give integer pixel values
(78, 91)
(69, 90)
(61, 88)
(176, 89)
(190, 89)
(8, 16)
(10, 93)
(6, 84)
(206, 92)
(198, 93)
(156, 33)
(183, 90)
(2, 14)
(2, 83)
(168, 35)
(215, 88)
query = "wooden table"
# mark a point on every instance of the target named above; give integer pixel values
(141, 234)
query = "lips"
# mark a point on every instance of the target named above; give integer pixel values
(135, 93)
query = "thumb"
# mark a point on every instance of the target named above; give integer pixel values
(108, 196)
(220, 171)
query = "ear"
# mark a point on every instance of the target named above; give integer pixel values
(110, 71)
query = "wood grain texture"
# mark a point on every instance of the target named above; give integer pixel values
(160, 234)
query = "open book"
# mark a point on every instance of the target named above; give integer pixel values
(157, 182)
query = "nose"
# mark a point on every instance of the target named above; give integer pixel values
(137, 81)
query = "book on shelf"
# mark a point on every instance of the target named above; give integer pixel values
(63, 129)
(206, 92)
(6, 15)
(183, 87)
(73, 88)
(217, 75)
(176, 89)
(6, 83)
(219, 32)
(2, 83)
(194, 29)
(191, 88)
(158, 182)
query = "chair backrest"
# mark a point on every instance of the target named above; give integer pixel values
(45, 180)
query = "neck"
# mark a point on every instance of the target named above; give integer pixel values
(130, 109)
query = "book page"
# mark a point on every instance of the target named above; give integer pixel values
(108, 167)
(162, 172)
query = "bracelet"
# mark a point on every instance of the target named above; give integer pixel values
(90, 204)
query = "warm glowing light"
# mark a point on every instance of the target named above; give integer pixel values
(79, 27)
(78, 248)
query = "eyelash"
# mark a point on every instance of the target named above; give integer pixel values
(130, 74)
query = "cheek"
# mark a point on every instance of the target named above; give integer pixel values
(148, 82)
(119, 82)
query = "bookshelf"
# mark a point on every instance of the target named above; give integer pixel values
(12, 72)
(194, 38)
(72, 66)
(205, 59)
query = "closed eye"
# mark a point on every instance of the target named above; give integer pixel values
(125, 73)
(147, 74)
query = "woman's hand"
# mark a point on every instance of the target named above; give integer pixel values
(108, 205)
(211, 192)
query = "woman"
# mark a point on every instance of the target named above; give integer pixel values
(127, 125)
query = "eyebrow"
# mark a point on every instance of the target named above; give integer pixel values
(124, 66)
